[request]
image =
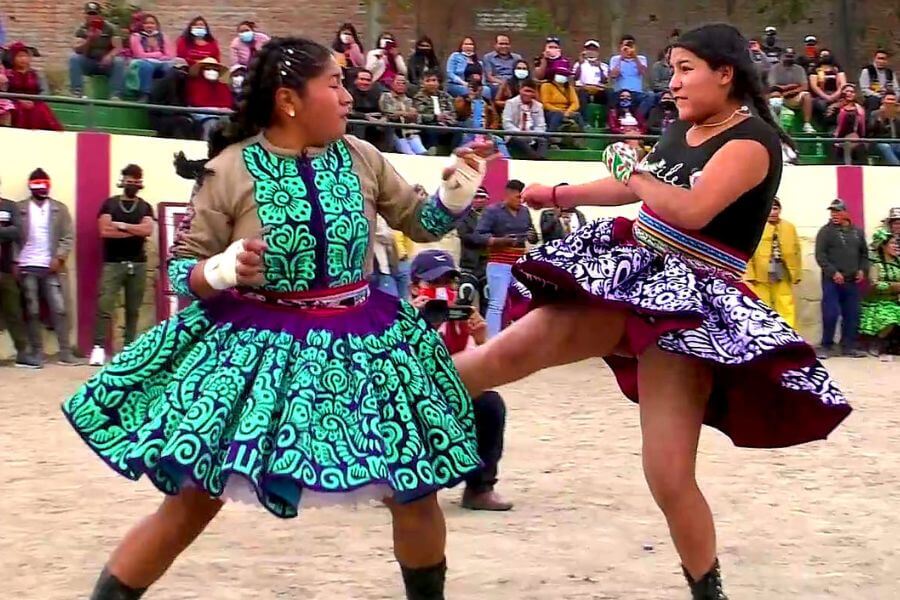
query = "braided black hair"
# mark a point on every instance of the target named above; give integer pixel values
(288, 62)
(720, 45)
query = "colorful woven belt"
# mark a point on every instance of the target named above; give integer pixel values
(346, 296)
(652, 231)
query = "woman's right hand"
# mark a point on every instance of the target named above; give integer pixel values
(250, 268)
(538, 196)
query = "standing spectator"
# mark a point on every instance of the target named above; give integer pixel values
(464, 58)
(510, 89)
(843, 256)
(206, 89)
(385, 62)
(877, 79)
(366, 107)
(476, 112)
(500, 64)
(825, 82)
(96, 52)
(811, 54)
(663, 115)
(473, 250)
(525, 113)
(775, 267)
(880, 311)
(423, 60)
(545, 64)
(46, 241)
(152, 54)
(197, 42)
(398, 108)
(171, 90)
(560, 99)
(237, 75)
(591, 77)
(10, 295)
(505, 228)
(557, 224)
(886, 125)
(125, 223)
(627, 70)
(21, 78)
(771, 47)
(793, 83)
(760, 62)
(660, 75)
(851, 124)
(435, 107)
(348, 48)
(246, 43)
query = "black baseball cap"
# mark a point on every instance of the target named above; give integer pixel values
(92, 8)
(431, 265)
(837, 204)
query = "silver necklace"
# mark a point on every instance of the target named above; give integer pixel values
(128, 211)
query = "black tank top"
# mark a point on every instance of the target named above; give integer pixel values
(741, 224)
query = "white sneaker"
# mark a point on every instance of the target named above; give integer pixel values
(98, 356)
(808, 128)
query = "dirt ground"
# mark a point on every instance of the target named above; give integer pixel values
(818, 521)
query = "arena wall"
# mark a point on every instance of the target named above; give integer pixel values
(84, 168)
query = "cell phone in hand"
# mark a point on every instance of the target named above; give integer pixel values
(459, 312)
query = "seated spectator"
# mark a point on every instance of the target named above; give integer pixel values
(499, 64)
(624, 118)
(205, 89)
(510, 89)
(366, 99)
(237, 74)
(760, 62)
(627, 70)
(876, 79)
(783, 114)
(398, 108)
(811, 52)
(660, 75)
(546, 64)
(246, 43)
(525, 113)
(793, 83)
(348, 49)
(23, 79)
(6, 106)
(771, 47)
(476, 112)
(457, 64)
(825, 83)
(880, 311)
(663, 114)
(591, 77)
(152, 54)
(435, 107)
(423, 60)
(886, 125)
(96, 52)
(197, 42)
(851, 123)
(560, 100)
(171, 90)
(385, 62)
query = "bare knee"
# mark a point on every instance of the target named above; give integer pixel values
(670, 480)
(416, 514)
(190, 511)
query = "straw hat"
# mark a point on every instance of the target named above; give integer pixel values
(208, 63)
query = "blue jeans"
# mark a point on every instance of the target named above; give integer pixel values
(499, 142)
(409, 145)
(840, 301)
(386, 283)
(208, 124)
(148, 70)
(402, 278)
(890, 153)
(555, 120)
(499, 278)
(80, 65)
(458, 90)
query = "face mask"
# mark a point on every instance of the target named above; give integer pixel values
(553, 54)
(826, 60)
(211, 75)
(560, 79)
(131, 190)
(423, 51)
(247, 36)
(770, 40)
(667, 104)
(468, 53)
(776, 102)
(521, 73)
(346, 38)
(625, 103)
(789, 62)
(198, 32)
(237, 81)
(39, 192)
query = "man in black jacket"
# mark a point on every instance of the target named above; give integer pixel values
(843, 256)
(10, 296)
(473, 251)
(171, 91)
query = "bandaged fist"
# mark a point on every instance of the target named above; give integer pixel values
(621, 160)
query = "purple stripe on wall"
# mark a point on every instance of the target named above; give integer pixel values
(495, 178)
(850, 190)
(92, 188)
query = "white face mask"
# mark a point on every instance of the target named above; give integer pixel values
(211, 75)
(521, 73)
(554, 54)
(560, 79)
(346, 38)
(237, 81)
(776, 102)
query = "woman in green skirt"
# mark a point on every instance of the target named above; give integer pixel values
(880, 311)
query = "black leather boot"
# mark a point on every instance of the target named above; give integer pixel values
(426, 583)
(709, 587)
(110, 588)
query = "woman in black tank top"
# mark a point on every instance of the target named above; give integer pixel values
(661, 297)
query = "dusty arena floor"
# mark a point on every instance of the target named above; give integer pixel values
(813, 522)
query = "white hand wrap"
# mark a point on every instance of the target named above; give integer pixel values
(457, 191)
(220, 270)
